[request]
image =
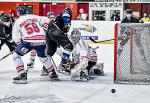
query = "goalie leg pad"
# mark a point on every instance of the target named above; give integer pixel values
(79, 74)
(75, 74)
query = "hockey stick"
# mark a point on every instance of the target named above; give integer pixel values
(96, 47)
(5, 56)
(55, 67)
(100, 40)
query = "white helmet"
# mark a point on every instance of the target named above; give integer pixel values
(75, 35)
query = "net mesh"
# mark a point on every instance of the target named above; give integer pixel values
(132, 53)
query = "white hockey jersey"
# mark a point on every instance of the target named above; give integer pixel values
(30, 28)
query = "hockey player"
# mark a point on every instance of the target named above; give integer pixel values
(6, 23)
(84, 58)
(51, 17)
(57, 36)
(28, 33)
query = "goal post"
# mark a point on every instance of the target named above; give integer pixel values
(132, 53)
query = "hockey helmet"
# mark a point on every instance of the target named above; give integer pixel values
(22, 10)
(5, 18)
(67, 10)
(67, 13)
(50, 15)
(75, 35)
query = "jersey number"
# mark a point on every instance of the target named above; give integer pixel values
(30, 28)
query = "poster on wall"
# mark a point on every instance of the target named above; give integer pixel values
(98, 30)
(104, 11)
(99, 15)
(114, 15)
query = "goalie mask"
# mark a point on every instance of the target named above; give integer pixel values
(75, 35)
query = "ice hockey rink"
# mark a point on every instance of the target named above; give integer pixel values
(42, 90)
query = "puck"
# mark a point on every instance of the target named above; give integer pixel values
(113, 90)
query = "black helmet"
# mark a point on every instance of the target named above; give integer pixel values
(22, 10)
(129, 11)
(5, 18)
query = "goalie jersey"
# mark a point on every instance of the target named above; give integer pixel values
(83, 52)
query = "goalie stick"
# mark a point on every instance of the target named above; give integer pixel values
(5, 56)
(99, 41)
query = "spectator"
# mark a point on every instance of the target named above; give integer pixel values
(82, 15)
(146, 18)
(130, 18)
(1, 12)
(136, 32)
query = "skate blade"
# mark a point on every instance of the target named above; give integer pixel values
(54, 79)
(30, 67)
(20, 81)
(44, 74)
(80, 80)
(85, 78)
(77, 79)
(63, 72)
(97, 74)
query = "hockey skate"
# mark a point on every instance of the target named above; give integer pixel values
(44, 72)
(30, 65)
(53, 75)
(64, 68)
(21, 79)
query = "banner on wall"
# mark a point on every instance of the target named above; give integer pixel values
(98, 30)
(48, 0)
(106, 5)
(106, 11)
(100, 0)
(137, 1)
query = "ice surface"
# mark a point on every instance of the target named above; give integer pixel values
(42, 90)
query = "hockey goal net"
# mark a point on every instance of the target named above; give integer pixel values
(132, 53)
